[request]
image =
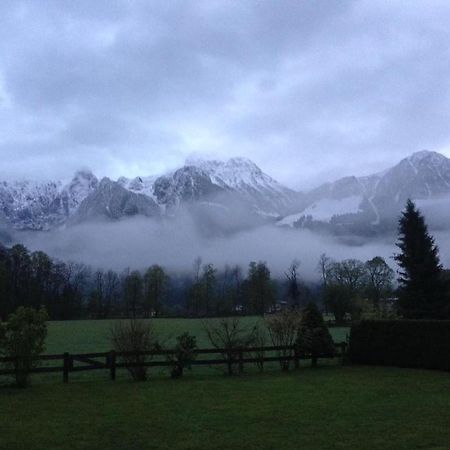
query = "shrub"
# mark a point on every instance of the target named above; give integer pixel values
(283, 328)
(184, 353)
(230, 337)
(313, 336)
(401, 343)
(133, 337)
(22, 337)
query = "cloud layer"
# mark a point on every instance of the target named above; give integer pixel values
(309, 90)
(175, 244)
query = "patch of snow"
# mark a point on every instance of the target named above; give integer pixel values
(442, 178)
(370, 199)
(411, 163)
(139, 185)
(290, 220)
(325, 209)
(238, 173)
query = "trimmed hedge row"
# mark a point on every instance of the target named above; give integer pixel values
(402, 343)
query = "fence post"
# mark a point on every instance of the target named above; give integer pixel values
(296, 358)
(343, 352)
(241, 360)
(66, 367)
(112, 365)
(344, 348)
(229, 360)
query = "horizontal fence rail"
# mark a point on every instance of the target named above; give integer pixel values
(114, 360)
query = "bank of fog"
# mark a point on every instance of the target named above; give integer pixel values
(139, 243)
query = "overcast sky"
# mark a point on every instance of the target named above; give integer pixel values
(310, 90)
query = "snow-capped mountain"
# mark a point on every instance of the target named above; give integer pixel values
(44, 205)
(242, 176)
(206, 187)
(231, 195)
(375, 201)
(203, 180)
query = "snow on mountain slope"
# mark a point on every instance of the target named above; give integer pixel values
(43, 205)
(238, 186)
(236, 183)
(378, 199)
(139, 185)
(238, 173)
(204, 178)
(266, 196)
(325, 209)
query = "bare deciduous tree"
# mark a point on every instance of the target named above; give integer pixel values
(229, 336)
(133, 337)
(283, 328)
(293, 289)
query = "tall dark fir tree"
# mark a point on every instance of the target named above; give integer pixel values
(420, 276)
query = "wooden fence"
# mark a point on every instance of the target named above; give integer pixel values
(112, 360)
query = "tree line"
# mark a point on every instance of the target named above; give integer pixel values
(70, 290)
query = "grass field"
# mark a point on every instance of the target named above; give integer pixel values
(78, 336)
(324, 408)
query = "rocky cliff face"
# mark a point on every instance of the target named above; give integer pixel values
(111, 200)
(186, 185)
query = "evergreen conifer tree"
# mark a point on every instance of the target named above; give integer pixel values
(420, 275)
(313, 335)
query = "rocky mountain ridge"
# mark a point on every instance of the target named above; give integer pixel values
(218, 190)
(375, 201)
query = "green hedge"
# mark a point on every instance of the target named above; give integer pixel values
(401, 343)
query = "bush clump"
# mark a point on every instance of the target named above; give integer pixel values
(22, 338)
(184, 353)
(402, 343)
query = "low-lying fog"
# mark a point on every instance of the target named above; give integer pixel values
(140, 242)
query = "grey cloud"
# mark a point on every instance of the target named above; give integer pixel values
(309, 90)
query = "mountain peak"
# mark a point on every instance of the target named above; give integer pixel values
(234, 162)
(84, 172)
(237, 171)
(83, 180)
(240, 161)
(426, 155)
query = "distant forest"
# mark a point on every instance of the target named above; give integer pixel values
(71, 290)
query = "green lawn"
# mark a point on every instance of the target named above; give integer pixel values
(324, 408)
(78, 336)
